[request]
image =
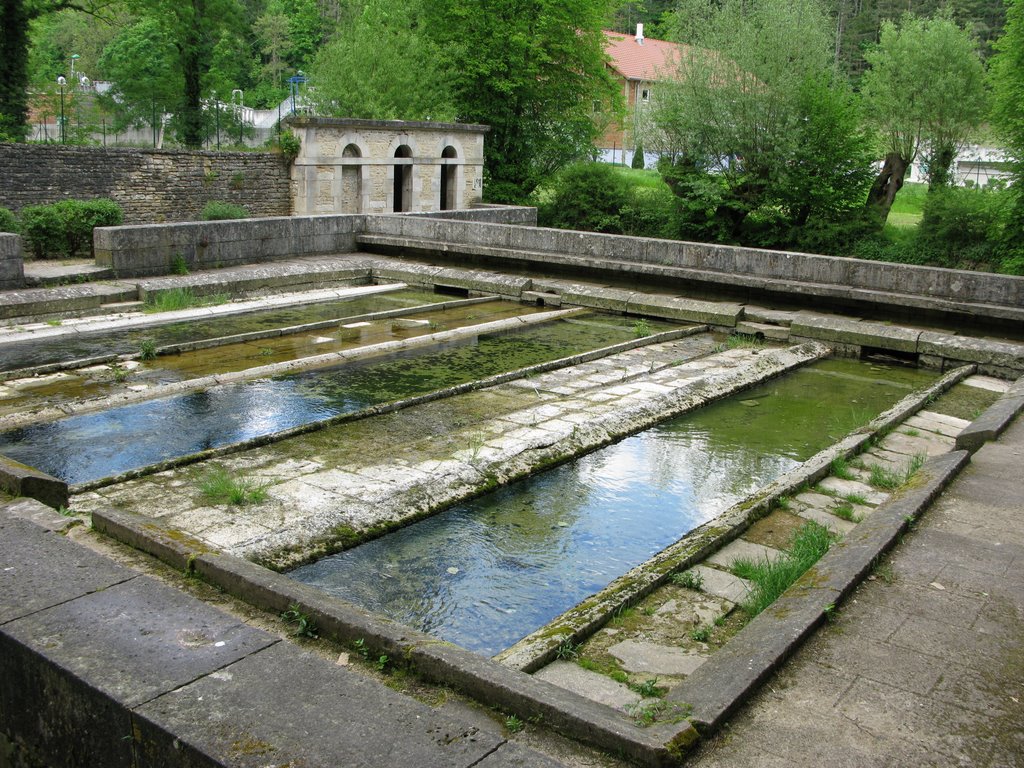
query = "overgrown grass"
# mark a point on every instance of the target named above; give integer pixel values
(890, 480)
(221, 487)
(181, 298)
(907, 209)
(771, 579)
(841, 468)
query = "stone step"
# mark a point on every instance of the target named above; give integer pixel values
(763, 330)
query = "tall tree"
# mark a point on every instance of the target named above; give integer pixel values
(533, 71)
(925, 91)
(383, 66)
(1007, 76)
(751, 117)
(15, 16)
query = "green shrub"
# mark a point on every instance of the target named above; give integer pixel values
(587, 196)
(649, 211)
(964, 225)
(8, 221)
(638, 158)
(64, 229)
(216, 210)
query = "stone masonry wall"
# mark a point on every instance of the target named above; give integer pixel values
(151, 186)
(12, 268)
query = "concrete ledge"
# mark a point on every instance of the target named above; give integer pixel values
(992, 357)
(860, 333)
(38, 513)
(148, 535)
(994, 420)
(722, 683)
(22, 480)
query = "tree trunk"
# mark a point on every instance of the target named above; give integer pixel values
(191, 49)
(888, 182)
(939, 165)
(13, 70)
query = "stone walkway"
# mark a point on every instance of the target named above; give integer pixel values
(925, 663)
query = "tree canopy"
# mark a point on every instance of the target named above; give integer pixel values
(925, 92)
(533, 71)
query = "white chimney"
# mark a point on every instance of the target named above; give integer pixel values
(639, 34)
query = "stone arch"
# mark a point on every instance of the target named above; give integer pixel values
(351, 181)
(402, 194)
(449, 178)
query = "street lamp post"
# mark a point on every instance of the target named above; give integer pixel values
(61, 82)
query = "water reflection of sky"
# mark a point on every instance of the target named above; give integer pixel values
(91, 446)
(486, 573)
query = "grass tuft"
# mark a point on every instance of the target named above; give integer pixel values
(181, 298)
(771, 579)
(220, 486)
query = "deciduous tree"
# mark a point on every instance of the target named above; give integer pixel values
(533, 70)
(925, 92)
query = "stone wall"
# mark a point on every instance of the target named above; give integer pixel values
(12, 268)
(753, 268)
(350, 166)
(149, 250)
(150, 185)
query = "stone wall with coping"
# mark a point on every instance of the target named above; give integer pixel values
(150, 185)
(489, 214)
(959, 286)
(150, 250)
(349, 166)
(12, 266)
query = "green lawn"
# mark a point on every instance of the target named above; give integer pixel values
(907, 207)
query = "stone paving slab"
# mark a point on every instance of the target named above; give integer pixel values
(741, 549)
(258, 712)
(990, 383)
(592, 685)
(926, 443)
(653, 659)
(722, 584)
(923, 421)
(37, 572)
(842, 488)
(133, 655)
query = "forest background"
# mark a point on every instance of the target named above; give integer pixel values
(827, 91)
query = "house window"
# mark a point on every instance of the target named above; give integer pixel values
(645, 95)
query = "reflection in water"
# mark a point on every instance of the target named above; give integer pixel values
(486, 573)
(92, 446)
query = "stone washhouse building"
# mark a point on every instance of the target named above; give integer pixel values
(385, 166)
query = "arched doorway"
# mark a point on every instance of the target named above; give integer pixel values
(449, 179)
(403, 179)
(351, 182)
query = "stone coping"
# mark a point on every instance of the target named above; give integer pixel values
(996, 418)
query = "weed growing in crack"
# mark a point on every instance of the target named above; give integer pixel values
(689, 579)
(303, 625)
(221, 487)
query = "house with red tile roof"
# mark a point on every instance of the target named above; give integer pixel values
(638, 63)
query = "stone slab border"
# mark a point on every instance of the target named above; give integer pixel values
(721, 684)
(994, 420)
(578, 623)
(583, 357)
(482, 679)
(12, 263)
(22, 480)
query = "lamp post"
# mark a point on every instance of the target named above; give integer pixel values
(216, 106)
(61, 82)
(295, 80)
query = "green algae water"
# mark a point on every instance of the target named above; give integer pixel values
(105, 380)
(86, 345)
(97, 445)
(486, 573)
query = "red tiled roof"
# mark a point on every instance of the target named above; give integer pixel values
(653, 60)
